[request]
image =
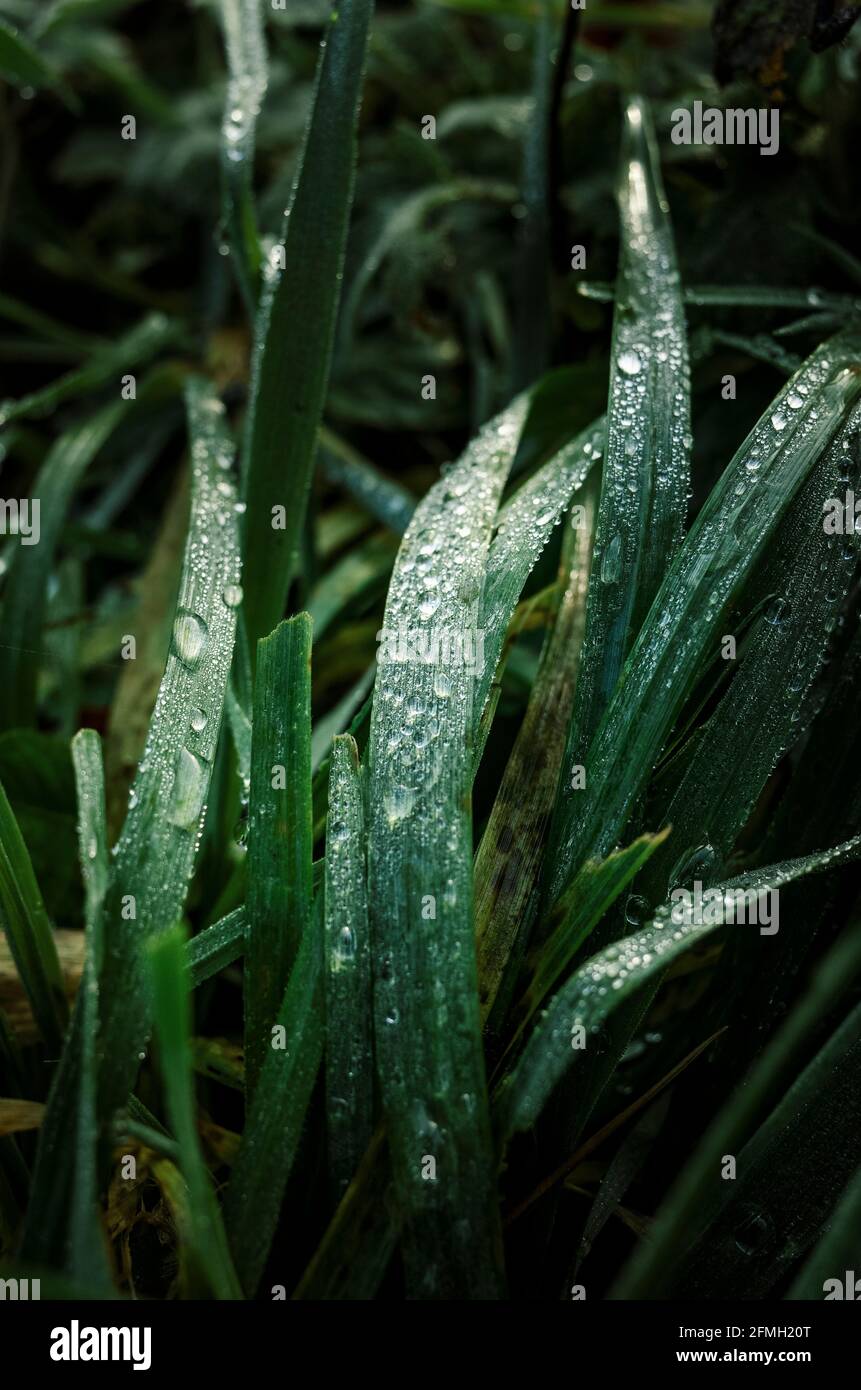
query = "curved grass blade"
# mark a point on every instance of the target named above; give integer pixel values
(719, 552)
(644, 485)
(208, 1265)
(620, 969)
(349, 1042)
(427, 1024)
(280, 841)
(28, 931)
(155, 855)
(274, 1123)
(245, 43)
(87, 1254)
(295, 327)
(388, 501)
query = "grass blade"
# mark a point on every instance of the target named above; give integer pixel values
(509, 857)
(205, 1247)
(718, 554)
(156, 851)
(245, 43)
(87, 1255)
(836, 1251)
(427, 1023)
(274, 1123)
(291, 365)
(645, 480)
(627, 964)
(28, 931)
(280, 830)
(349, 1043)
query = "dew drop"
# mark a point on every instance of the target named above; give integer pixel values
(629, 361)
(190, 637)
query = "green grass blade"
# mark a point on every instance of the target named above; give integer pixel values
(744, 297)
(349, 1043)
(24, 600)
(205, 1245)
(87, 1254)
(28, 931)
(719, 552)
(216, 947)
(279, 830)
(806, 579)
(626, 964)
(273, 1126)
(645, 478)
(508, 862)
(390, 502)
(524, 526)
(427, 1023)
(245, 42)
(296, 325)
(532, 295)
(155, 855)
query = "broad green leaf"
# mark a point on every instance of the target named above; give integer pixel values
(205, 1245)
(273, 1125)
(279, 891)
(295, 327)
(23, 64)
(349, 1041)
(619, 970)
